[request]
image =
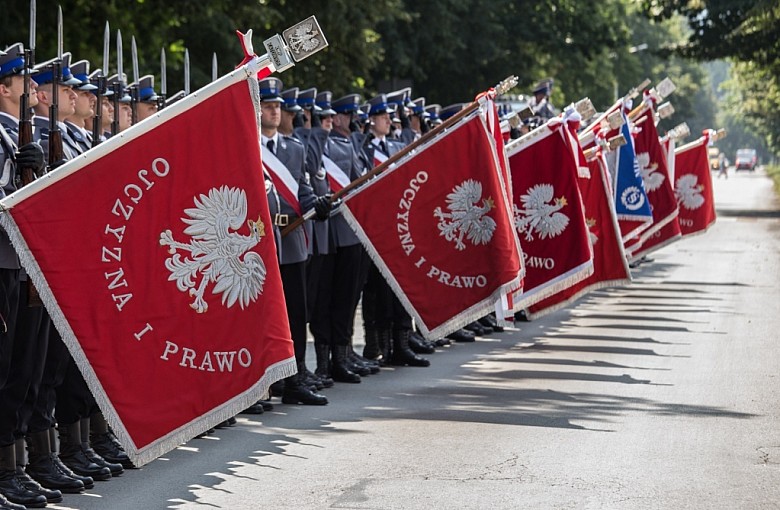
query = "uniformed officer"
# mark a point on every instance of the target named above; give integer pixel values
(433, 114)
(344, 268)
(86, 102)
(540, 103)
(283, 157)
(125, 113)
(402, 103)
(61, 385)
(317, 232)
(15, 352)
(307, 100)
(384, 317)
(106, 106)
(147, 98)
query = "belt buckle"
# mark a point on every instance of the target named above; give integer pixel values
(281, 220)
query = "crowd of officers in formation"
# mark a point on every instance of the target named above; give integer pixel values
(53, 437)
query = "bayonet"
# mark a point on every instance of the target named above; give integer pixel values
(119, 57)
(33, 16)
(186, 72)
(134, 57)
(214, 70)
(59, 33)
(163, 73)
(163, 80)
(106, 44)
(136, 89)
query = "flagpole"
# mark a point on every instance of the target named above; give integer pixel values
(504, 85)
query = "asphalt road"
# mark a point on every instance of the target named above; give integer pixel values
(662, 394)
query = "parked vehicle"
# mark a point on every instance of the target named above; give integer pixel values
(747, 159)
(714, 156)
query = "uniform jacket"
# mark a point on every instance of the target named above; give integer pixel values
(291, 152)
(8, 145)
(318, 231)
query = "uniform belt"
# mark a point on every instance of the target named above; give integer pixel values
(282, 220)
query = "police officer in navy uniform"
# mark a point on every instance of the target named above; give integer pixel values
(384, 317)
(16, 354)
(148, 99)
(59, 385)
(317, 232)
(402, 102)
(294, 251)
(106, 106)
(344, 269)
(540, 103)
(86, 102)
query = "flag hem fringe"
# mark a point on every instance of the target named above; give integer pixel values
(554, 286)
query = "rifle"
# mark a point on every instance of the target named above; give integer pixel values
(100, 83)
(27, 174)
(55, 135)
(117, 86)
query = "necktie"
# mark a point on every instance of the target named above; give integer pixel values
(383, 146)
(270, 146)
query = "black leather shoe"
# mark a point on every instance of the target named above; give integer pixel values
(52, 496)
(340, 370)
(12, 487)
(490, 322)
(462, 335)
(267, 405)
(256, 408)
(107, 446)
(7, 505)
(420, 345)
(402, 354)
(72, 454)
(478, 329)
(521, 316)
(297, 393)
(441, 342)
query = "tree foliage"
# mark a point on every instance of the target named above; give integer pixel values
(449, 50)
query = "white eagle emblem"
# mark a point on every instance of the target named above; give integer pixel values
(650, 176)
(465, 218)
(215, 253)
(688, 192)
(539, 215)
(304, 38)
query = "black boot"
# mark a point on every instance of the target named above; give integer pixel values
(339, 368)
(323, 363)
(385, 340)
(402, 354)
(296, 392)
(371, 350)
(105, 443)
(52, 496)
(491, 322)
(45, 470)
(7, 505)
(88, 481)
(72, 454)
(419, 345)
(115, 468)
(462, 335)
(11, 486)
(360, 361)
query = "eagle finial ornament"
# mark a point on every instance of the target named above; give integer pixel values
(216, 253)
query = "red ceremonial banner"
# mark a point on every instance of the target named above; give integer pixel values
(438, 228)
(651, 157)
(548, 213)
(610, 267)
(693, 187)
(155, 257)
